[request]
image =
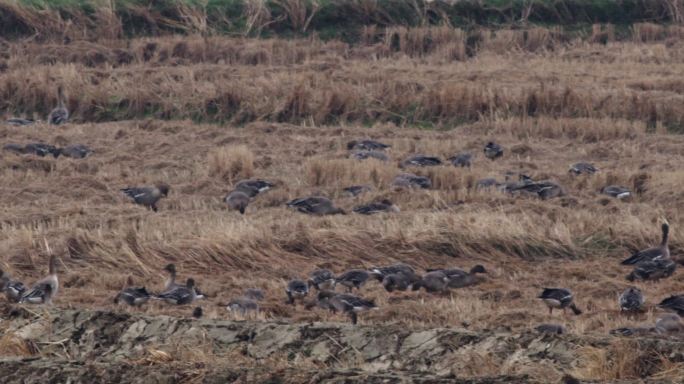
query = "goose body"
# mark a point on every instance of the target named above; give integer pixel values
(543, 189)
(356, 190)
(18, 121)
(493, 150)
(411, 181)
(653, 270)
(243, 305)
(631, 300)
(661, 252)
(669, 323)
(237, 200)
(315, 205)
(487, 183)
(133, 296)
(616, 191)
(180, 294)
(367, 145)
(60, 114)
(379, 273)
(433, 282)
(322, 280)
(459, 278)
(354, 278)
(461, 160)
(583, 169)
(253, 187)
(147, 196)
(77, 151)
(13, 289)
(296, 289)
(400, 281)
(248, 302)
(376, 207)
(674, 303)
(556, 329)
(558, 298)
(345, 303)
(420, 161)
(42, 150)
(363, 155)
(45, 289)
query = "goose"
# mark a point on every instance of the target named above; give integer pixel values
(243, 305)
(254, 294)
(367, 145)
(556, 329)
(197, 313)
(13, 147)
(133, 296)
(42, 149)
(77, 151)
(296, 289)
(45, 289)
(653, 270)
(487, 183)
(631, 300)
(461, 160)
(583, 168)
(345, 303)
(18, 121)
(543, 189)
(363, 155)
(147, 196)
(411, 181)
(356, 190)
(616, 191)
(459, 278)
(170, 282)
(322, 280)
(493, 150)
(315, 205)
(400, 281)
(248, 302)
(180, 294)
(379, 273)
(674, 303)
(13, 289)
(432, 282)
(353, 278)
(237, 200)
(60, 114)
(633, 331)
(669, 323)
(382, 206)
(420, 161)
(559, 298)
(661, 252)
(253, 187)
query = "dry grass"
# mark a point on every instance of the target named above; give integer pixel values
(292, 107)
(231, 164)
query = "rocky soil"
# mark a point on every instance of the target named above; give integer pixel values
(77, 346)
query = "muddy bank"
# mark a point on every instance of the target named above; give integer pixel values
(92, 346)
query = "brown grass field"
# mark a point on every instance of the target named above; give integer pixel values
(201, 113)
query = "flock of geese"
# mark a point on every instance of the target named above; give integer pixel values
(650, 264)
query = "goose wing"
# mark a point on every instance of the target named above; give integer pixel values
(650, 254)
(38, 294)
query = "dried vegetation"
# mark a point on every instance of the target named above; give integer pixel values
(285, 110)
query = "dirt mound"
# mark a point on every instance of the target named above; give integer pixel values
(93, 345)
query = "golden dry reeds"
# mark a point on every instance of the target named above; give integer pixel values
(230, 163)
